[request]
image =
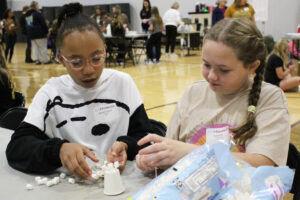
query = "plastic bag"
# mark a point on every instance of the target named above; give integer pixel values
(210, 172)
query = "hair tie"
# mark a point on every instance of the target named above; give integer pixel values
(251, 108)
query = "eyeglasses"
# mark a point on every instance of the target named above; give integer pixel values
(78, 63)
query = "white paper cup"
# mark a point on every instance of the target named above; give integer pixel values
(112, 182)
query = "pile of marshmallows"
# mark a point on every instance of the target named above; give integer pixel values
(109, 171)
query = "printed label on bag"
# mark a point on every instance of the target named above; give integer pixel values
(215, 135)
(200, 177)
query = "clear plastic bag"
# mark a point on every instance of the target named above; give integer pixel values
(210, 173)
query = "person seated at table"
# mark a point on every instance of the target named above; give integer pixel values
(89, 109)
(279, 67)
(97, 15)
(118, 29)
(255, 112)
(156, 28)
(8, 98)
(105, 21)
(124, 18)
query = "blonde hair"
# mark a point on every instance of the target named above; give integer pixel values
(117, 19)
(248, 43)
(175, 5)
(281, 49)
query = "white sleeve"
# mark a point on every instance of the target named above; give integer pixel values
(37, 109)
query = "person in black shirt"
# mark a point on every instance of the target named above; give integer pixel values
(279, 67)
(145, 15)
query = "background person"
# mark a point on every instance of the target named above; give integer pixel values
(240, 9)
(145, 15)
(10, 27)
(23, 24)
(171, 20)
(156, 28)
(37, 30)
(279, 67)
(219, 11)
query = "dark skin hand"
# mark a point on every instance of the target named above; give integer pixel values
(117, 152)
(72, 156)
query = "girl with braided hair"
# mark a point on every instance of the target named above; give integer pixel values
(88, 109)
(229, 105)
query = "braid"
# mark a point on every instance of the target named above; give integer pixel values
(248, 129)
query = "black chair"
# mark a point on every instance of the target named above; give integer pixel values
(117, 50)
(19, 99)
(12, 118)
(294, 163)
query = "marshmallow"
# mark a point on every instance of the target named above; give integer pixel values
(29, 187)
(71, 180)
(110, 165)
(56, 179)
(40, 182)
(37, 178)
(50, 183)
(44, 181)
(95, 176)
(62, 175)
(116, 164)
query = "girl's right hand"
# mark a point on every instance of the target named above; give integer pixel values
(164, 152)
(72, 156)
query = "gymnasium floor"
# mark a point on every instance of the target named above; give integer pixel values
(160, 85)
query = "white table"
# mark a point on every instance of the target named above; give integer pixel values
(13, 182)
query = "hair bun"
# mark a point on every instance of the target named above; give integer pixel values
(69, 10)
(73, 9)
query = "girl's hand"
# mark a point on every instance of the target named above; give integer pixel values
(117, 152)
(164, 152)
(292, 66)
(72, 156)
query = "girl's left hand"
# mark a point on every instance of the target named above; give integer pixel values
(117, 152)
(163, 153)
(292, 66)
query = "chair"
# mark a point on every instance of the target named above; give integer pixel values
(12, 118)
(294, 163)
(117, 49)
(19, 99)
